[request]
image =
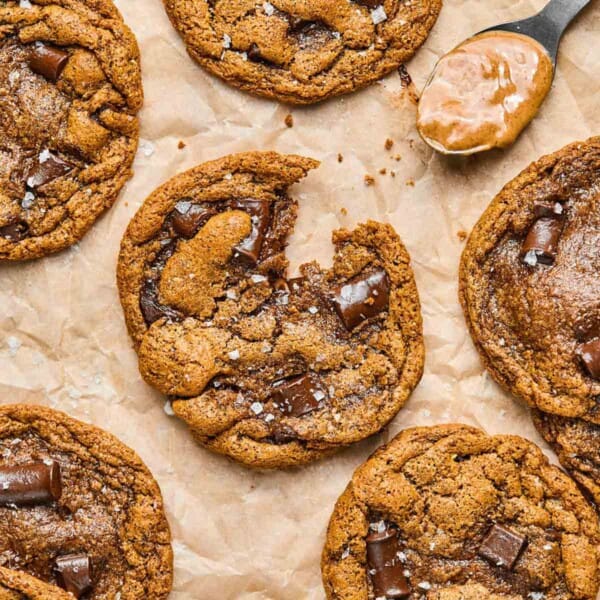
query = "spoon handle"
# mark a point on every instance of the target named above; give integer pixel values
(562, 12)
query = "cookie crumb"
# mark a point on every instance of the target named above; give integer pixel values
(340, 158)
(411, 182)
(462, 235)
(181, 145)
(389, 144)
(344, 210)
(397, 157)
(383, 171)
(393, 173)
(289, 121)
(369, 180)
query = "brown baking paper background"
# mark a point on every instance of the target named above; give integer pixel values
(239, 534)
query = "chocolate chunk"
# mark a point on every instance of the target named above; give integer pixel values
(370, 3)
(74, 573)
(502, 547)
(386, 569)
(587, 326)
(260, 212)
(362, 298)
(541, 243)
(187, 218)
(48, 61)
(30, 484)
(549, 210)
(298, 396)
(47, 168)
(281, 285)
(590, 357)
(14, 232)
(254, 53)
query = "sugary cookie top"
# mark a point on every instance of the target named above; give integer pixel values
(270, 370)
(71, 88)
(16, 585)
(530, 284)
(302, 51)
(78, 509)
(450, 513)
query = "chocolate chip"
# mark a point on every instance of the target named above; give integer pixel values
(587, 326)
(298, 396)
(74, 573)
(14, 232)
(549, 210)
(386, 569)
(502, 547)
(47, 168)
(370, 3)
(361, 298)
(48, 61)
(260, 212)
(541, 243)
(30, 484)
(254, 53)
(589, 353)
(187, 218)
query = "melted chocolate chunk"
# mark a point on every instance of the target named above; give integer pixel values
(150, 305)
(370, 3)
(30, 484)
(46, 169)
(589, 353)
(15, 232)
(541, 243)
(587, 326)
(386, 569)
(74, 573)
(361, 298)
(187, 218)
(260, 211)
(48, 61)
(502, 547)
(548, 210)
(298, 396)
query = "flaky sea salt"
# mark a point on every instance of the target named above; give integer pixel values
(25, 4)
(13, 345)
(269, 9)
(28, 200)
(313, 310)
(258, 278)
(256, 408)
(318, 395)
(226, 41)
(378, 15)
(531, 258)
(168, 408)
(234, 354)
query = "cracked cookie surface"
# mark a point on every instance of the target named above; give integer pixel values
(71, 88)
(450, 513)
(577, 444)
(302, 51)
(16, 585)
(70, 492)
(270, 371)
(529, 283)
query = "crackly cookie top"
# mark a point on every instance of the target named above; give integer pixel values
(16, 585)
(71, 87)
(450, 513)
(577, 444)
(79, 510)
(530, 286)
(302, 51)
(269, 370)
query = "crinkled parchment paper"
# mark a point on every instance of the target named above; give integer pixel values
(239, 534)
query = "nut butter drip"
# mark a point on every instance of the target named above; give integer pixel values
(484, 93)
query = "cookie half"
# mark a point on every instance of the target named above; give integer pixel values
(15, 585)
(302, 51)
(577, 444)
(530, 284)
(70, 75)
(450, 513)
(80, 510)
(270, 371)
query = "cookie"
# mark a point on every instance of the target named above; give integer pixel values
(80, 510)
(302, 51)
(268, 370)
(577, 444)
(450, 513)
(530, 288)
(71, 89)
(15, 585)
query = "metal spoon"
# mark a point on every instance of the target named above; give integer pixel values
(548, 26)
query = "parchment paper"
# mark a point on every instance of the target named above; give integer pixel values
(239, 534)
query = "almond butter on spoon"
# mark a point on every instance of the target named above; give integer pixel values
(483, 94)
